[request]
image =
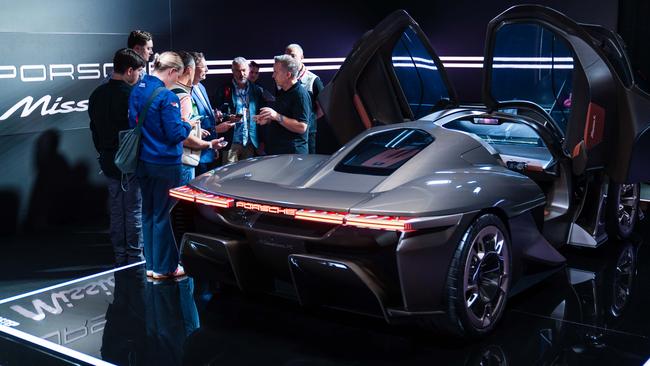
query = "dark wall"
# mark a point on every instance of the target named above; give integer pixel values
(49, 175)
(52, 55)
(457, 28)
(634, 27)
(329, 29)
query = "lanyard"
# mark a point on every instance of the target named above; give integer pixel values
(243, 94)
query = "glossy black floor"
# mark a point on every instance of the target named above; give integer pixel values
(595, 311)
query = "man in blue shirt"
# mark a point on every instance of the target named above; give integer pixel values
(245, 99)
(210, 116)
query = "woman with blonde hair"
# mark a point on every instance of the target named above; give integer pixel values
(159, 169)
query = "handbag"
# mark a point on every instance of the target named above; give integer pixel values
(191, 156)
(128, 152)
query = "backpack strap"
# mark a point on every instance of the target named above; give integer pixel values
(142, 116)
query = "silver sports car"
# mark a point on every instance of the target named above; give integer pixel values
(434, 212)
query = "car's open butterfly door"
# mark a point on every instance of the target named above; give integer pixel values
(579, 75)
(391, 75)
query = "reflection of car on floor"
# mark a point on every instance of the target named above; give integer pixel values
(433, 212)
(592, 314)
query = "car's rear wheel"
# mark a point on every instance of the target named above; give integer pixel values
(478, 282)
(622, 209)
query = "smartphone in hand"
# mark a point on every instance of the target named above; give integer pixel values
(239, 117)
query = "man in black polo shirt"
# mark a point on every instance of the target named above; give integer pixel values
(108, 107)
(288, 120)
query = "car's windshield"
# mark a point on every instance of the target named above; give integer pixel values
(531, 63)
(498, 132)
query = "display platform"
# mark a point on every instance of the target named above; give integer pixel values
(593, 311)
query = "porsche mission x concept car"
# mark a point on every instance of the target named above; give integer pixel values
(431, 211)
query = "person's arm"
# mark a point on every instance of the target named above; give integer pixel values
(291, 124)
(92, 115)
(269, 114)
(186, 107)
(224, 127)
(196, 143)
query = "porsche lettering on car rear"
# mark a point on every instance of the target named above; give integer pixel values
(266, 208)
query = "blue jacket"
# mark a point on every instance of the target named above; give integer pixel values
(255, 102)
(163, 131)
(203, 107)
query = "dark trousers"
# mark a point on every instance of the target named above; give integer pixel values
(312, 142)
(160, 249)
(126, 219)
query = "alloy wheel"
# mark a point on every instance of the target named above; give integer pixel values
(627, 205)
(486, 277)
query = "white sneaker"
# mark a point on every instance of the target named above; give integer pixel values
(179, 272)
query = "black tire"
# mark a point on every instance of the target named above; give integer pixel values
(622, 209)
(477, 302)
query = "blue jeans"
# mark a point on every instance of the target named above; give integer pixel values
(126, 219)
(187, 174)
(160, 250)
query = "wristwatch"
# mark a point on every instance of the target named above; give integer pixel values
(281, 119)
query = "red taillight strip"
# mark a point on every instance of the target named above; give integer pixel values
(320, 216)
(212, 200)
(184, 193)
(188, 194)
(377, 222)
(393, 223)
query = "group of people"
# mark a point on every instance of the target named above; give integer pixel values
(181, 134)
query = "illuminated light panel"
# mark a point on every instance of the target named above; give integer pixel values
(378, 222)
(212, 200)
(184, 193)
(320, 216)
(462, 65)
(410, 59)
(188, 194)
(363, 221)
(423, 66)
(532, 66)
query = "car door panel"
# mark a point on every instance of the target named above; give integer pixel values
(600, 128)
(391, 75)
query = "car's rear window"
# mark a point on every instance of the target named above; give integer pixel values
(384, 152)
